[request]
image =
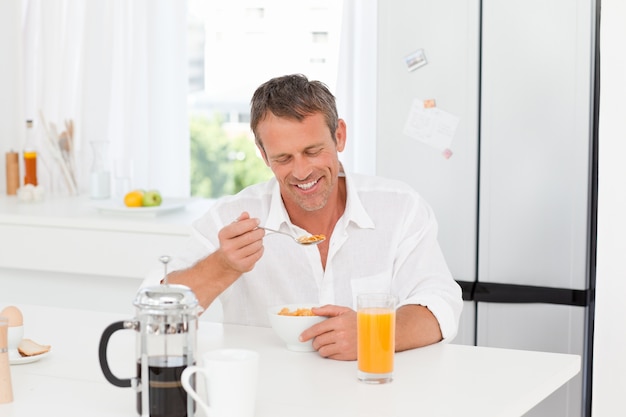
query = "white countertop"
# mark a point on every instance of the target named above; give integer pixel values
(440, 380)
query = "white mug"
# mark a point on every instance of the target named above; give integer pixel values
(230, 378)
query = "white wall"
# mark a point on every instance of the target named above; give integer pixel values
(609, 383)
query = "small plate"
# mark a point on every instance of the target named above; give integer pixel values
(27, 359)
(118, 208)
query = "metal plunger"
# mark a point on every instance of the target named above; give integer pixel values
(165, 260)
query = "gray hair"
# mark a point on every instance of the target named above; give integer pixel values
(292, 97)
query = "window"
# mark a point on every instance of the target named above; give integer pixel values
(234, 46)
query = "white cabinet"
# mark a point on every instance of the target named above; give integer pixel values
(63, 251)
(84, 250)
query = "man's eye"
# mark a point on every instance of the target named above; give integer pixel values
(314, 152)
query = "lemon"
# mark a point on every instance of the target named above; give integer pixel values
(133, 198)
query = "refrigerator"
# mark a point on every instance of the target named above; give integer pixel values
(488, 109)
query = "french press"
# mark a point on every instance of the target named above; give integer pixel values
(166, 325)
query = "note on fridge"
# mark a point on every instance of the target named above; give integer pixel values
(429, 124)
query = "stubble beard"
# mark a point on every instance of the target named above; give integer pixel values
(318, 201)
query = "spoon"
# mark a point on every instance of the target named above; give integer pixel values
(302, 240)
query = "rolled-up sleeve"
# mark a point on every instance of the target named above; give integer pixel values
(422, 275)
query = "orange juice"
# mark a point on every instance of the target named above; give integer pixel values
(30, 167)
(376, 339)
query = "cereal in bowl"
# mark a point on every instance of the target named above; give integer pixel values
(297, 312)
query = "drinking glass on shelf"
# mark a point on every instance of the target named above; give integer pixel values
(122, 176)
(100, 178)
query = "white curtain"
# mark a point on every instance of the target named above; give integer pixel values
(11, 100)
(356, 84)
(118, 70)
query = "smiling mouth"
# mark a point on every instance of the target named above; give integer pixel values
(307, 186)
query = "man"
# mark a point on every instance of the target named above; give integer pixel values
(381, 236)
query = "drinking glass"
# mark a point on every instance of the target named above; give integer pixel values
(376, 329)
(123, 176)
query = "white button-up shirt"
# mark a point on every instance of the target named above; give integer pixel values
(386, 241)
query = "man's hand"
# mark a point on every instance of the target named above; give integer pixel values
(241, 244)
(336, 336)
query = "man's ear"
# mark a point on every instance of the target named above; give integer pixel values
(341, 135)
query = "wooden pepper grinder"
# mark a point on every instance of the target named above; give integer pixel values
(6, 389)
(12, 172)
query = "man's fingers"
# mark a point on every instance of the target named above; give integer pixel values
(330, 310)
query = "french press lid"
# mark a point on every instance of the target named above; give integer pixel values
(166, 298)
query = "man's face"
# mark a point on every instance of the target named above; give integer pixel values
(304, 158)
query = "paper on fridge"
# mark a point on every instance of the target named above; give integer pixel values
(431, 125)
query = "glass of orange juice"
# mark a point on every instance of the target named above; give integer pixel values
(376, 344)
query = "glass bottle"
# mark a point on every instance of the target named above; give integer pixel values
(30, 156)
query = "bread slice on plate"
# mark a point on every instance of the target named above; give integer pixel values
(28, 347)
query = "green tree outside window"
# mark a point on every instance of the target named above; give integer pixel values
(221, 164)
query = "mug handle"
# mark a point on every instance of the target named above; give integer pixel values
(102, 353)
(185, 379)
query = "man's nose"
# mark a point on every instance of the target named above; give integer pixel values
(302, 168)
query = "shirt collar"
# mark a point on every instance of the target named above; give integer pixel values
(277, 213)
(355, 212)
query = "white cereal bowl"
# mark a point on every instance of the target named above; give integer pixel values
(289, 328)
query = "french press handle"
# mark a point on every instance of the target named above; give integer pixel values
(102, 352)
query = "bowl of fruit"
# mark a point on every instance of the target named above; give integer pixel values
(140, 202)
(141, 198)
